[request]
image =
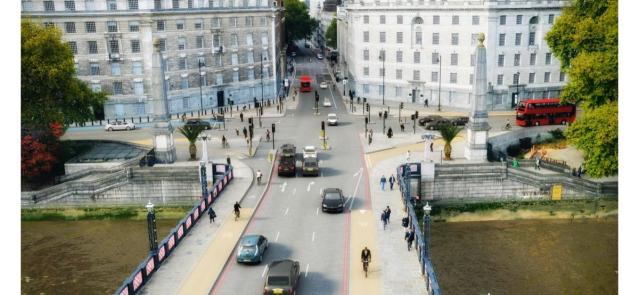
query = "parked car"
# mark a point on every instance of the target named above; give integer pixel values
(332, 200)
(309, 151)
(119, 125)
(327, 102)
(198, 122)
(251, 249)
(286, 166)
(310, 167)
(332, 119)
(323, 85)
(459, 121)
(428, 119)
(288, 150)
(320, 56)
(282, 277)
(435, 125)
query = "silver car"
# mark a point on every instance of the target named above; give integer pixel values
(119, 125)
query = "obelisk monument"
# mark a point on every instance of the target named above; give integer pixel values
(163, 142)
(477, 127)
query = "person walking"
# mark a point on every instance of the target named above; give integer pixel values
(431, 146)
(370, 139)
(212, 215)
(245, 132)
(241, 116)
(388, 212)
(237, 132)
(383, 218)
(426, 102)
(405, 222)
(389, 132)
(382, 181)
(380, 115)
(411, 238)
(537, 162)
(579, 171)
(391, 181)
(401, 126)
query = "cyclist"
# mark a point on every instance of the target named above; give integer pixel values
(236, 209)
(366, 259)
(268, 135)
(259, 177)
(507, 126)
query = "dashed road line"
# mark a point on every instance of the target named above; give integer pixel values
(286, 212)
(277, 237)
(306, 272)
(313, 238)
(317, 211)
(265, 269)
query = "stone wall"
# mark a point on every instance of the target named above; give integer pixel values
(501, 140)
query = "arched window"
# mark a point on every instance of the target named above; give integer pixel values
(533, 20)
(418, 21)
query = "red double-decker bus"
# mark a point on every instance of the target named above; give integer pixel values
(549, 111)
(305, 84)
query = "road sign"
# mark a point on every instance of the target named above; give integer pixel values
(556, 192)
(427, 136)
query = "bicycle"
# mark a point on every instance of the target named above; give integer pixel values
(365, 265)
(237, 215)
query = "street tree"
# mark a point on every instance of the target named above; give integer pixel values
(297, 22)
(448, 132)
(585, 40)
(331, 34)
(191, 133)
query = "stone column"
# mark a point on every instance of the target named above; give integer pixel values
(477, 131)
(163, 142)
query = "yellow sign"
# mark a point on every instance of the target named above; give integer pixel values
(556, 192)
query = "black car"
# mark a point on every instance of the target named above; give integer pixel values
(288, 150)
(310, 166)
(435, 125)
(333, 200)
(459, 121)
(428, 119)
(286, 166)
(198, 122)
(282, 277)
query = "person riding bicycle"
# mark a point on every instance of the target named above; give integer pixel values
(268, 135)
(507, 126)
(258, 174)
(236, 209)
(366, 256)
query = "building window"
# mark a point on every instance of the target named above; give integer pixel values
(502, 20)
(472, 60)
(93, 47)
(546, 77)
(418, 38)
(399, 56)
(112, 5)
(179, 24)
(181, 43)
(182, 63)
(517, 39)
(475, 19)
(435, 38)
(500, 79)
(234, 59)
(380, 89)
(199, 41)
(249, 57)
(435, 19)
(562, 77)
(500, 60)
(533, 59)
(453, 59)
(136, 68)
(382, 72)
(531, 78)
(471, 79)
(434, 76)
(365, 36)
(519, 18)
(49, 6)
(473, 39)
(417, 57)
(531, 38)
(184, 83)
(400, 19)
(264, 37)
(516, 78)
(160, 25)
(215, 22)
(140, 108)
(400, 37)
(382, 37)
(115, 69)
(398, 74)
(548, 58)
(366, 19)
(133, 4)
(73, 46)
(135, 46)
(112, 26)
(502, 39)
(157, 4)
(234, 40)
(434, 57)
(198, 24)
(162, 45)
(366, 56)
(416, 75)
(176, 4)
(551, 19)
(382, 19)
(117, 87)
(138, 88)
(262, 21)
(134, 26)
(96, 87)
(114, 46)
(248, 21)
(69, 27)
(453, 78)
(251, 74)
(365, 71)
(189, 3)
(516, 59)
(49, 25)
(366, 88)
(69, 5)
(398, 91)
(219, 78)
(454, 39)
(455, 19)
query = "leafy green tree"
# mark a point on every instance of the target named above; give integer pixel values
(448, 133)
(297, 23)
(596, 132)
(191, 132)
(331, 34)
(585, 40)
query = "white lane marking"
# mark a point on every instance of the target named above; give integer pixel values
(277, 237)
(294, 190)
(265, 269)
(331, 91)
(283, 186)
(358, 172)
(308, 188)
(320, 191)
(286, 212)
(313, 239)
(355, 192)
(252, 197)
(306, 272)
(317, 211)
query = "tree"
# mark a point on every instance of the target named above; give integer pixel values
(331, 34)
(585, 40)
(448, 133)
(191, 132)
(297, 23)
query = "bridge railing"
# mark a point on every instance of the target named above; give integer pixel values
(143, 272)
(426, 265)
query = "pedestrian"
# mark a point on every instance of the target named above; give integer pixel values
(248, 141)
(382, 181)
(401, 126)
(431, 146)
(212, 215)
(228, 160)
(237, 132)
(537, 162)
(407, 156)
(574, 172)
(388, 212)
(579, 171)
(383, 218)
(389, 133)
(242, 117)
(406, 233)
(426, 102)
(380, 115)
(370, 139)
(405, 222)
(245, 132)
(411, 237)
(224, 141)
(391, 181)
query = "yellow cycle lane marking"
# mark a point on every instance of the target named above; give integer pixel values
(363, 234)
(212, 262)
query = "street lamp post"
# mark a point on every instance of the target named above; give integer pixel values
(262, 75)
(199, 66)
(426, 247)
(152, 228)
(382, 57)
(439, 95)
(517, 91)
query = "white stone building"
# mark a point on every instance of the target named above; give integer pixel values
(398, 45)
(217, 42)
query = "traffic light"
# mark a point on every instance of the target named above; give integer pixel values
(385, 114)
(366, 120)
(412, 117)
(401, 105)
(364, 99)
(273, 127)
(416, 114)
(368, 107)
(323, 127)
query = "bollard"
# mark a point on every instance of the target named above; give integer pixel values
(100, 122)
(91, 122)
(191, 113)
(147, 119)
(108, 121)
(139, 119)
(204, 111)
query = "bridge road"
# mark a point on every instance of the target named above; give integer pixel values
(290, 214)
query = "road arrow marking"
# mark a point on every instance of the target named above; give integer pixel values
(308, 188)
(313, 239)
(277, 237)
(283, 186)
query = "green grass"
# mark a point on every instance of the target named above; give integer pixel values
(101, 213)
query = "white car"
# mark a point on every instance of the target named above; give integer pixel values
(119, 125)
(327, 102)
(309, 151)
(320, 56)
(332, 119)
(324, 85)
